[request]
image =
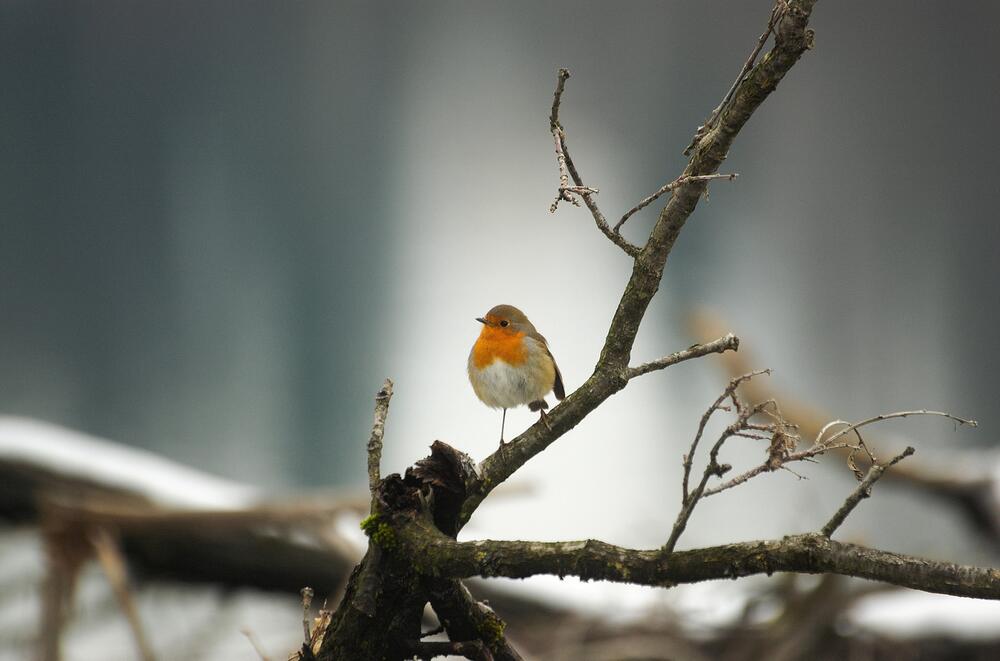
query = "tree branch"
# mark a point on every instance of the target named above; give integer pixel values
(727, 343)
(646, 201)
(595, 560)
(378, 431)
(712, 468)
(863, 491)
(467, 619)
(854, 426)
(366, 597)
(751, 59)
(567, 169)
(822, 445)
(565, 191)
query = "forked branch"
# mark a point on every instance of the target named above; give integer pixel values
(680, 181)
(567, 170)
(823, 444)
(863, 491)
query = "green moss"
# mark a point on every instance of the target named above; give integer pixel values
(379, 532)
(492, 629)
(368, 523)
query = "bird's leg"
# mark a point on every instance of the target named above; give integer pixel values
(503, 421)
(544, 419)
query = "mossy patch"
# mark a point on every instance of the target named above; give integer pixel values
(491, 629)
(379, 531)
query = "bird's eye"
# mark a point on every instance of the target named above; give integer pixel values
(504, 323)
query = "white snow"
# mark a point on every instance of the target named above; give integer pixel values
(73, 453)
(908, 614)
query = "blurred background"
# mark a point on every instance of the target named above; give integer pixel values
(221, 227)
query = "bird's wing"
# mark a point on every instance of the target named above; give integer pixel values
(557, 388)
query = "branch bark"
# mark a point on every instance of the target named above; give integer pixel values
(378, 432)
(595, 560)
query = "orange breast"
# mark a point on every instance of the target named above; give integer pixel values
(496, 343)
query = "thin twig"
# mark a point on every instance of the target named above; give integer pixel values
(712, 468)
(885, 416)
(767, 467)
(776, 12)
(565, 190)
(307, 597)
(716, 406)
(568, 172)
(557, 137)
(378, 431)
(729, 342)
(676, 183)
(563, 76)
(823, 445)
(863, 491)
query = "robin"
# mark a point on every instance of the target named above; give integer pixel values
(511, 365)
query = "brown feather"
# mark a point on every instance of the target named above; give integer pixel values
(557, 387)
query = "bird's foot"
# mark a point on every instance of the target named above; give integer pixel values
(544, 419)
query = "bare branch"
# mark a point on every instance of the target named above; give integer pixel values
(465, 618)
(823, 445)
(879, 418)
(712, 467)
(307, 597)
(595, 560)
(779, 7)
(568, 170)
(378, 431)
(680, 181)
(565, 191)
(863, 491)
(727, 343)
(970, 494)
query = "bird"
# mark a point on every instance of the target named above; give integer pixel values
(510, 364)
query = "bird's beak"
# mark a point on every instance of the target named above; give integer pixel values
(480, 320)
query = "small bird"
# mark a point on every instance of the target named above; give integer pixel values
(511, 365)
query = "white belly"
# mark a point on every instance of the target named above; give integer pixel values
(502, 386)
